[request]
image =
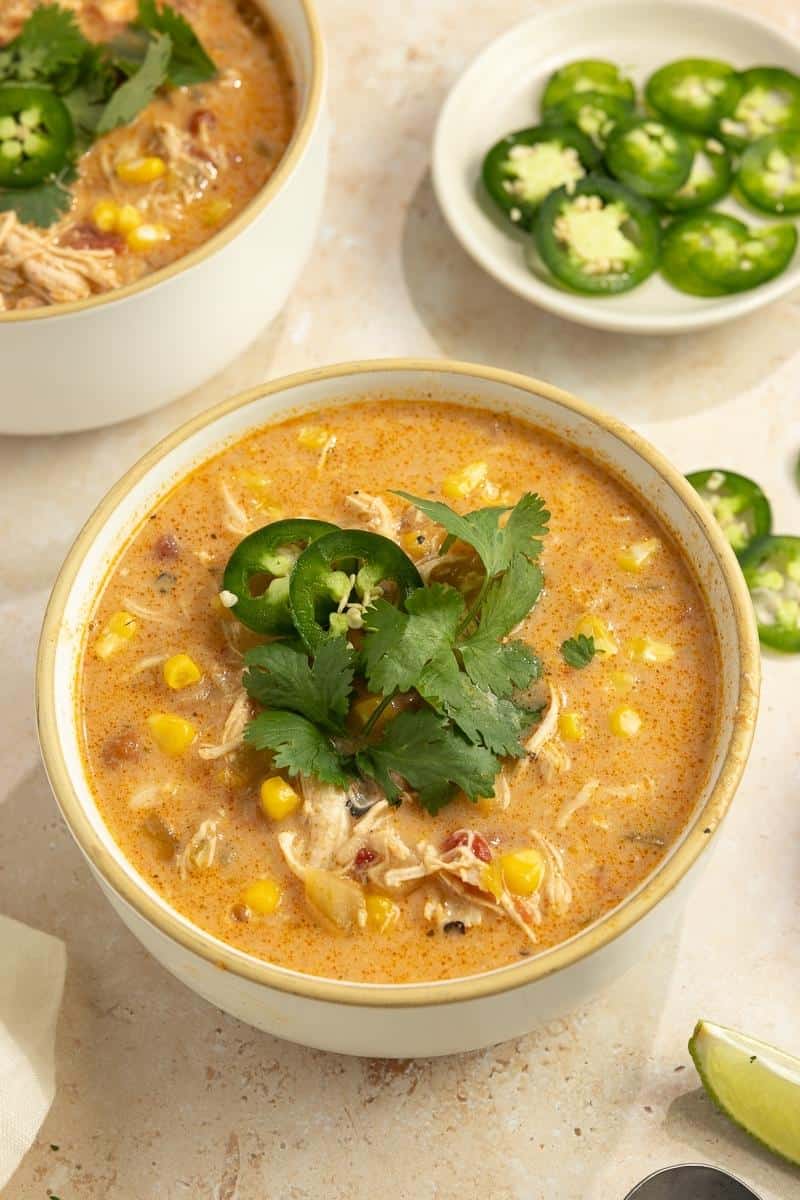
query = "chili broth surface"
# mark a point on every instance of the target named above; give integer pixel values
(632, 795)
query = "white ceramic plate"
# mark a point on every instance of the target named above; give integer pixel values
(500, 92)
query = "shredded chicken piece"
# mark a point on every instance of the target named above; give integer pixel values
(147, 664)
(328, 820)
(232, 731)
(194, 163)
(553, 759)
(237, 521)
(325, 452)
(151, 795)
(555, 885)
(35, 267)
(546, 729)
(200, 851)
(432, 562)
(502, 792)
(374, 512)
(147, 614)
(592, 790)
(579, 801)
(362, 833)
(441, 910)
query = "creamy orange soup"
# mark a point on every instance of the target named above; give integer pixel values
(613, 767)
(218, 143)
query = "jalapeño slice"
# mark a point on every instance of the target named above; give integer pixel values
(771, 568)
(587, 75)
(339, 575)
(740, 506)
(36, 135)
(769, 173)
(695, 93)
(712, 254)
(267, 557)
(594, 113)
(524, 167)
(599, 238)
(649, 156)
(709, 177)
(769, 102)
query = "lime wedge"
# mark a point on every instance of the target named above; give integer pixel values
(755, 1084)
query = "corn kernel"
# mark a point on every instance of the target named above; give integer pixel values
(636, 556)
(147, 237)
(413, 542)
(215, 212)
(172, 734)
(128, 219)
(262, 897)
(117, 633)
(523, 871)
(382, 913)
(105, 215)
(312, 437)
(621, 681)
(571, 726)
(141, 170)
(466, 481)
(485, 805)
(625, 721)
(648, 650)
(181, 671)
(591, 626)
(260, 491)
(492, 878)
(278, 798)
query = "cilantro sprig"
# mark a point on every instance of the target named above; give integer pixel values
(450, 662)
(578, 651)
(103, 85)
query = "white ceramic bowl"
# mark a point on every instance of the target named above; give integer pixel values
(409, 1019)
(500, 92)
(123, 353)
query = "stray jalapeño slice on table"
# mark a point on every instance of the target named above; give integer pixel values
(771, 568)
(738, 503)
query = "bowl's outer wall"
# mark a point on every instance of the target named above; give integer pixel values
(428, 1018)
(124, 357)
(428, 1030)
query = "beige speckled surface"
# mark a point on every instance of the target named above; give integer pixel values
(160, 1096)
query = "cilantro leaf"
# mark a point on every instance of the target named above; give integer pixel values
(499, 667)
(399, 644)
(485, 718)
(298, 745)
(188, 62)
(42, 205)
(49, 41)
(420, 750)
(578, 651)
(510, 598)
(137, 92)
(279, 676)
(495, 545)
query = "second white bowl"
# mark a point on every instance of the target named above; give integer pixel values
(500, 92)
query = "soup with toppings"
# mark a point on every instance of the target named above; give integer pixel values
(398, 691)
(130, 132)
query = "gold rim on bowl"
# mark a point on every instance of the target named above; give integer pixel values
(502, 979)
(292, 155)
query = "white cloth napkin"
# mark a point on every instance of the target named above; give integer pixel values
(32, 968)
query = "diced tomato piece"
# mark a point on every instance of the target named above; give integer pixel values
(468, 837)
